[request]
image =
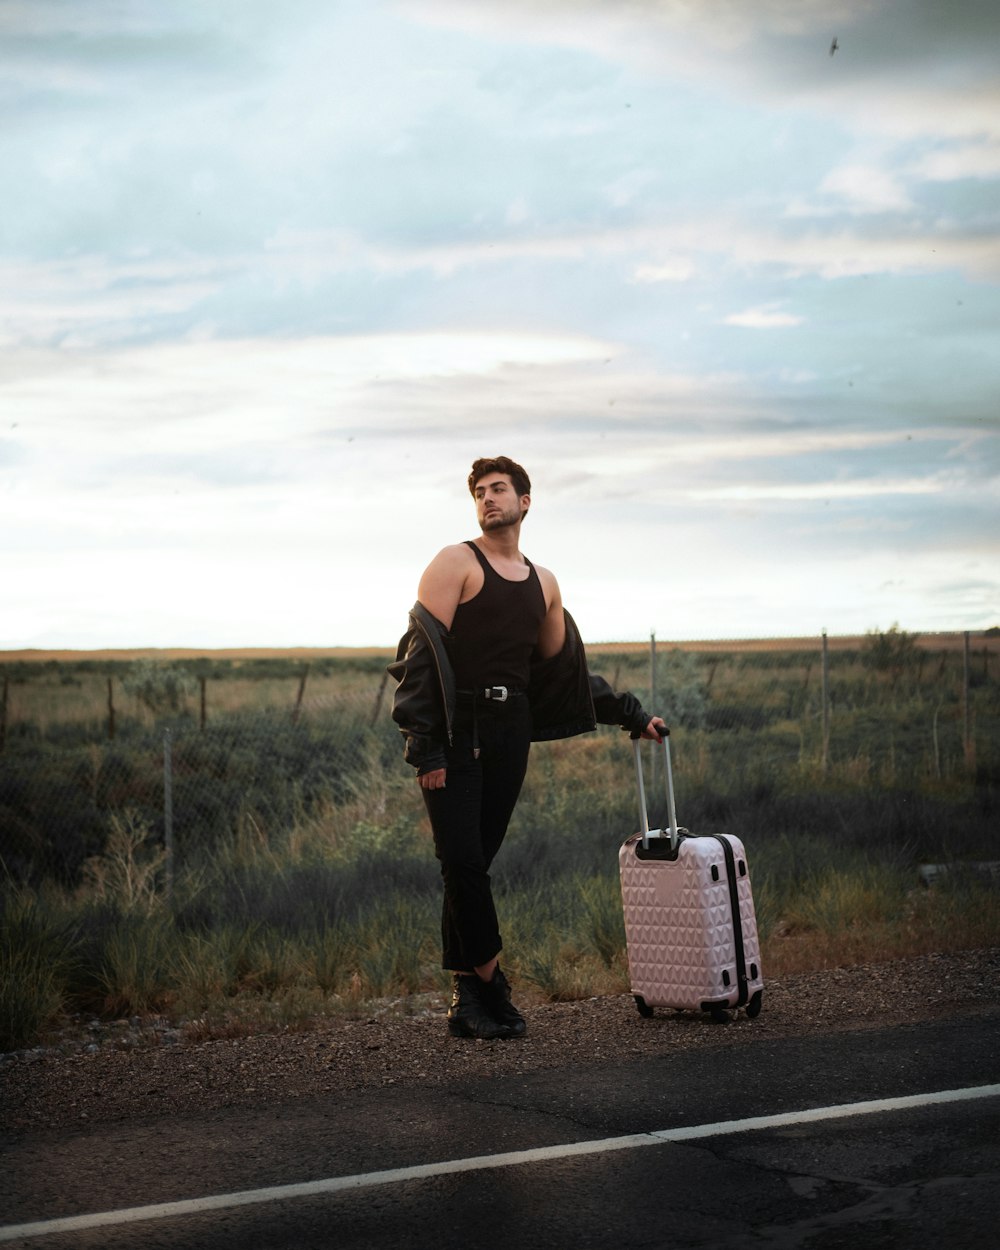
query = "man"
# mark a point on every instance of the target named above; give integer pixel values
(490, 663)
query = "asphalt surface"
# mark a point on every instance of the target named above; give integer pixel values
(918, 1177)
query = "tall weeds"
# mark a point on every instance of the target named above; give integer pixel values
(289, 905)
(37, 964)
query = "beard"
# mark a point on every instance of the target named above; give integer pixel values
(501, 518)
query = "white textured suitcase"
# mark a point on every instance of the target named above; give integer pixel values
(690, 925)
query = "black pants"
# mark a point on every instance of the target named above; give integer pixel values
(469, 818)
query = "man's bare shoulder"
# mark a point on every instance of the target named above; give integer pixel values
(444, 581)
(550, 586)
(454, 556)
(545, 576)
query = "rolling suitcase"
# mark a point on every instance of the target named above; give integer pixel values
(690, 926)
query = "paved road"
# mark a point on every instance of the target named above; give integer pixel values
(917, 1177)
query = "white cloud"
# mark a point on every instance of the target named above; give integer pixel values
(846, 253)
(866, 189)
(823, 491)
(827, 253)
(100, 300)
(213, 394)
(626, 188)
(969, 160)
(517, 212)
(763, 319)
(97, 298)
(680, 269)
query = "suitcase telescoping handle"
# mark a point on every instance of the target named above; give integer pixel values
(668, 774)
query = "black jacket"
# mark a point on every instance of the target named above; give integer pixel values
(565, 698)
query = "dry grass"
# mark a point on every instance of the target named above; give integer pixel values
(565, 948)
(49, 703)
(933, 921)
(953, 640)
(177, 654)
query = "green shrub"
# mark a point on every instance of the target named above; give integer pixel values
(891, 649)
(127, 873)
(602, 919)
(38, 954)
(838, 899)
(161, 688)
(132, 971)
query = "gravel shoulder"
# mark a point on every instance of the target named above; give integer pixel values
(144, 1074)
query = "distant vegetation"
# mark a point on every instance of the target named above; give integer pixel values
(302, 880)
(892, 649)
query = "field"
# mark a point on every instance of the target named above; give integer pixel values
(950, 641)
(230, 839)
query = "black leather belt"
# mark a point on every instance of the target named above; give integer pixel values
(494, 694)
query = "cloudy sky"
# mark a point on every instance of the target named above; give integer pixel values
(272, 275)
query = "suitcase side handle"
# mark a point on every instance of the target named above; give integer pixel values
(673, 832)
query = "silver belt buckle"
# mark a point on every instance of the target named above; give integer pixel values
(497, 693)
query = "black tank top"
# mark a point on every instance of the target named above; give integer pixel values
(495, 632)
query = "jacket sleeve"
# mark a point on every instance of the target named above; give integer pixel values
(416, 705)
(613, 708)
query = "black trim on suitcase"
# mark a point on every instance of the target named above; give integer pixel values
(734, 899)
(734, 903)
(659, 848)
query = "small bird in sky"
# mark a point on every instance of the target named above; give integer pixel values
(834, 46)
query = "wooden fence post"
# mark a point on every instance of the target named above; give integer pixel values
(3, 713)
(653, 710)
(202, 682)
(298, 698)
(379, 697)
(826, 702)
(111, 710)
(967, 740)
(168, 815)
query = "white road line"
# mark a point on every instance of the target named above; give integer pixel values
(393, 1176)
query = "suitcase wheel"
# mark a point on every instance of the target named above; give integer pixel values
(720, 1015)
(754, 1005)
(642, 1007)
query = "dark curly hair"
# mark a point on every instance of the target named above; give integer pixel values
(500, 464)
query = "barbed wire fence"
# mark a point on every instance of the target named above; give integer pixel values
(187, 754)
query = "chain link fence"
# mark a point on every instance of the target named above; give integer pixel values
(190, 753)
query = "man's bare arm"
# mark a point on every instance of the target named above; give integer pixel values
(552, 634)
(443, 581)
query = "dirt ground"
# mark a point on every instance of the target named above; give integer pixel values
(142, 1069)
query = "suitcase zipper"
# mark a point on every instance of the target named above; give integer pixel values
(734, 903)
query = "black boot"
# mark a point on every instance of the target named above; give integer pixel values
(496, 996)
(469, 1015)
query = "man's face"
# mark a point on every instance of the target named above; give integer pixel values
(497, 502)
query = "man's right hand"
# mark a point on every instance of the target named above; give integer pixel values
(434, 780)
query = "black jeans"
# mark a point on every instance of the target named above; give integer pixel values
(469, 819)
